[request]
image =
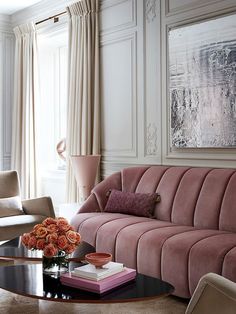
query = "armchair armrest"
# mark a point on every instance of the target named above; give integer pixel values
(214, 294)
(39, 206)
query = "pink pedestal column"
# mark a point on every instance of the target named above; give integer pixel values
(85, 170)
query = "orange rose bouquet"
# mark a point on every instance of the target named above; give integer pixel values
(56, 238)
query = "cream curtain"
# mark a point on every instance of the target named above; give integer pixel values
(24, 107)
(83, 122)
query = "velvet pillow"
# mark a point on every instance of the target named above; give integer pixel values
(138, 204)
(10, 206)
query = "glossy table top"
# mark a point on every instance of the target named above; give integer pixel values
(29, 280)
(14, 249)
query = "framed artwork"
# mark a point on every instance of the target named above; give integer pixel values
(202, 84)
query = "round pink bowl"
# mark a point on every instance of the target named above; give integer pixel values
(98, 259)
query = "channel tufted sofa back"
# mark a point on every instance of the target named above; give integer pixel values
(194, 232)
(200, 197)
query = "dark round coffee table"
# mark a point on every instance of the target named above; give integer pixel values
(29, 280)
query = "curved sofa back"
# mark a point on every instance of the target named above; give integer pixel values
(200, 197)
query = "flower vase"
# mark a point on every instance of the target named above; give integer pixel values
(56, 264)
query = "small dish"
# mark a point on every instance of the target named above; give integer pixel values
(98, 259)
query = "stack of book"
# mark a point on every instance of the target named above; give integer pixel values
(98, 280)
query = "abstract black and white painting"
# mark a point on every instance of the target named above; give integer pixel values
(202, 84)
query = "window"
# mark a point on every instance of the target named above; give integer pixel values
(52, 112)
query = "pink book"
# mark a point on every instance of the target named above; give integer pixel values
(102, 285)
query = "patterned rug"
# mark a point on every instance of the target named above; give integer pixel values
(15, 304)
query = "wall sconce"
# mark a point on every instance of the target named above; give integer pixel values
(85, 170)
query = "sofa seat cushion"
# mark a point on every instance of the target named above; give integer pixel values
(189, 255)
(175, 253)
(121, 238)
(17, 225)
(91, 225)
(151, 244)
(214, 254)
(120, 234)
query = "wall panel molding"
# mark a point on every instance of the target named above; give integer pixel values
(150, 10)
(180, 6)
(173, 7)
(1, 101)
(192, 12)
(8, 95)
(107, 168)
(6, 163)
(6, 86)
(5, 23)
(136, 32)
(117, 15)
(151, 139)
(120, 109)
(152, 81)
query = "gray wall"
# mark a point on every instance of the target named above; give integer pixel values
(135, 105)
(135, 110)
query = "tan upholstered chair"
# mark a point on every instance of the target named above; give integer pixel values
(214, 295)
(16, 216)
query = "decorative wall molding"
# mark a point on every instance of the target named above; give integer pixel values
(105, 4)
(173, 7)
(152, 88)
(151, 139)
(5, 23)
(138, 23)
(107, 167)
(6, 86)
(150, 10)
(1, 100)
(189, 13)
(122, 151)
(7, 97)
(6, 163)
(117, 15)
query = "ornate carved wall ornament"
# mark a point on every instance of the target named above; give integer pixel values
(151, 139)
(150, 10)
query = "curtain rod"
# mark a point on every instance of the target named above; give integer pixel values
(55, 17)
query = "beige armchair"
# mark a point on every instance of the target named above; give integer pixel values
(16, 216)
(214, 294)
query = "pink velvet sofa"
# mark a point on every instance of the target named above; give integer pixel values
(193, 231)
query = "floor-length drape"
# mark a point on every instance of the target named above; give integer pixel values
(24, 107)
(83, 121)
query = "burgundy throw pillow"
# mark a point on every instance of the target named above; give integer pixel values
(138, 204)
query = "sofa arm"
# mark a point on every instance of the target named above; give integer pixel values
(97, 200)
(39, 206)
(214, 294)
(90, 205)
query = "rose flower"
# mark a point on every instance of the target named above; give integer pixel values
(50, 250)
(63, 224)
(62, 242)
(41, 232)
(53, 235)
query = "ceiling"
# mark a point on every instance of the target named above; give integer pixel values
(11, 6)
